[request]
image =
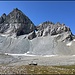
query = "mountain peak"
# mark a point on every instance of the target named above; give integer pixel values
(16, 9)
(16, 22)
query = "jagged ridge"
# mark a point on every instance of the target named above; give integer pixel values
(16, 23)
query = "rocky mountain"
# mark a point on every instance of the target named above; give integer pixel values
(15, 23)
(19, 35)
(49, 28)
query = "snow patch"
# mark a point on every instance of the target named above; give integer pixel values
(28, 52)
(6, 35)
(29, 55)
(73, 55)
(73, 39)
(69, 44)
(49, 55)
(19, 54)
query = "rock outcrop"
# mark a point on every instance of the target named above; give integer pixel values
(2, 18)
(49, 28)
(16, 23)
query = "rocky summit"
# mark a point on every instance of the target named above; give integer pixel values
(18, 35)
(15, 23)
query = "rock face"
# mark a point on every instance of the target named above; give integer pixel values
(16, 23)
(51, 28)
(19, 35)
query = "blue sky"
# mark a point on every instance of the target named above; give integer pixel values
(41, 11)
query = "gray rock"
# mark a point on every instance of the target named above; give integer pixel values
(46, 31)
(39, 33)
(49, 28)
(53, 32)
(16, 22)
(32, 63)
(31, 35)
(2, 18)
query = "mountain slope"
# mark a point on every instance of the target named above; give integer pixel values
(19, 35)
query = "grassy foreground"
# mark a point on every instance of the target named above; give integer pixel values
(30, 69)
